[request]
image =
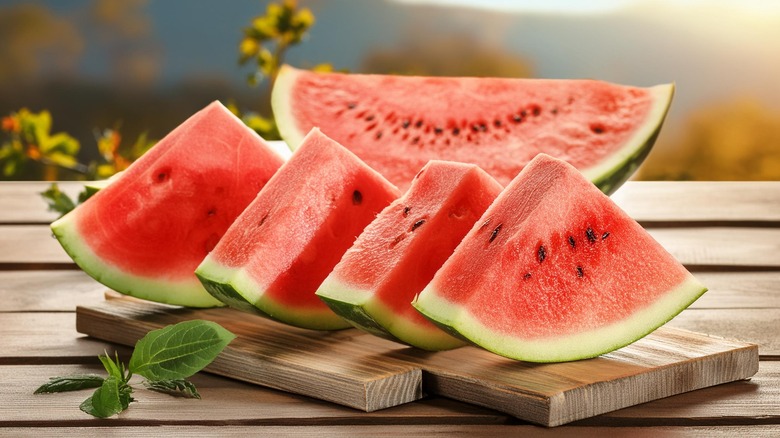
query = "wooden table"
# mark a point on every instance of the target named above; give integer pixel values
(728, 234)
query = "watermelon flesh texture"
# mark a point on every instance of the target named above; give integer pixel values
(398, 253)
(396, 124)
(281, 248)
(146, 232)
(555, 271)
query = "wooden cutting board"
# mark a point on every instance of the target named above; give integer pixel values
(364, 372)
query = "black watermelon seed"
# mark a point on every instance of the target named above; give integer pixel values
(475, 128)
(517, 118)
(605, 235)
(262, 221)
(527, 276)
(590, 235)
(580, 272)
(405, 124)
(418, 124)
(437, 130)
(536, 111)
(455, 131)
(523, 113)
(541, 253)
(418, 224)
(406, 211)
(378, 135)
(497, 123)
(495, 232)
(357, 197)
(572, 242)
(415, 140)
(554, 111)
(370, 118)
(597, 128)
(482, 127)
(351, 105)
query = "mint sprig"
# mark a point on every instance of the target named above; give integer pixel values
(164, 357)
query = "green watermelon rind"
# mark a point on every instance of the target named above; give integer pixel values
(236, 288)
(372, 316)
(456, 320)
(608, 175)
(189, 293)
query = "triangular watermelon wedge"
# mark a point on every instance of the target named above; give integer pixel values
(556, 271)
(396, 124)
(146, 232)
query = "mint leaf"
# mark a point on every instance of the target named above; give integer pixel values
(70, 383)
(179, 351)
(178, 387)
(105, 401)
(57, 200)
(114, 368)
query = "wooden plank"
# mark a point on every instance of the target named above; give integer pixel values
(40, 337)
(739, 290)
(670, 203)
(395, 431)
(31, 247)
(755, 398)
(21, 202)
(316, 364)
(223, 401)
(722, 247)
(708, 248)
(758, 326)
(47, 291)
(664, 363)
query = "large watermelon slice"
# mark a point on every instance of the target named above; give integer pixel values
(396, 124)
(146, 232)
(555, 271)
(281, 248)
(398, 253)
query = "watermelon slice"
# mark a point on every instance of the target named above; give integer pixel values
(398, 253)
(396, 124)
(555, 271)
(281, 248)
(146, 232)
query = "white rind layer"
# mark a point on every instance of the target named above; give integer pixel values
(576, 346)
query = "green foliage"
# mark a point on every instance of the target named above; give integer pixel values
(178, 352)
(28, 141)
(269, 36)
(265, 43)
(165, 357)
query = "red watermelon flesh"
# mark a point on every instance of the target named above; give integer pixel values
(396, 124)
(399, 252)
(146, 232)
(555, 271)
(281, 248)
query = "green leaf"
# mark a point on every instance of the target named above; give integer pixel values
(105, 401)
(178, 387)
(179, 351)
(57, 200)
(70, 383)
(115, 368)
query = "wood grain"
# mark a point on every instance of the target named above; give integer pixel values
(326, 366)
(47, 291)
(759, 326)
(31, 247)
(224, 400)
(21, 202)
(662, 203)
(41, 337)
(665, 363)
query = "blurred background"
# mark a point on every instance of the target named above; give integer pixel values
(102, 77)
